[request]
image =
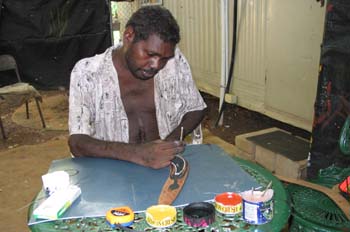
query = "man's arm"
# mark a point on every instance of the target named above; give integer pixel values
(155, 154)
(189, 122)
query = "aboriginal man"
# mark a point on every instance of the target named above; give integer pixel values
(130, 102)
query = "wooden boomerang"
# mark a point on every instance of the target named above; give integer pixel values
(172, 187)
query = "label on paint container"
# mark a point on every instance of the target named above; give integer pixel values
(257, 209)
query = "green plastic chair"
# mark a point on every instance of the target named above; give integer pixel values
(344, 139)
(314, 211)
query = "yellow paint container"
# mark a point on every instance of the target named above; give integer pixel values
(161, 216)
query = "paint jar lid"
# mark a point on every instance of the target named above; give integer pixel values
(199, 214)
(161, 216)
(228, 203)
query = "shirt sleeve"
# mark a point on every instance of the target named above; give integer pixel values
(189, 94)
(81, 104)
(176, 94)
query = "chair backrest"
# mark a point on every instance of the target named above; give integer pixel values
(8, 62)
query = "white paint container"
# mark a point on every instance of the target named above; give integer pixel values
(257, 208)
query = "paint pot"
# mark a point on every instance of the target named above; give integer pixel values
(228, 203)
(257, 206)
(123, 216)
(161, 216)
(199, 214)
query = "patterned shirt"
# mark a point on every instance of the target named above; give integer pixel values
(96, 107)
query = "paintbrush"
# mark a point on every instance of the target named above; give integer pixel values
(182, 134)
(267, 187)
(252, 192)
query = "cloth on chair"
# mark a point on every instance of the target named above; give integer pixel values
(19, 93)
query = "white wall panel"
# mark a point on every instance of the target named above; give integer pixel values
(294, 35)
(199, 22)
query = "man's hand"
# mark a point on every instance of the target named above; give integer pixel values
(157, 154)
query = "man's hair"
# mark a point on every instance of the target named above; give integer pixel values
(156, 20)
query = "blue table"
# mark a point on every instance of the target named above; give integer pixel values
(235, 223)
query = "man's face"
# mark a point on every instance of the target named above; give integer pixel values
(146, 57)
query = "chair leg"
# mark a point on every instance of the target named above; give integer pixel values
(27, 110)
(40, 113)
(2, 129)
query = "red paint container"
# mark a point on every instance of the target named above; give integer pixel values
(228, 203)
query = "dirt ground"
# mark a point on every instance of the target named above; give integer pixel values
(29, 149)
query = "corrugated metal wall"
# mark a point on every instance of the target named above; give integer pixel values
(249, 76)
(199, 21)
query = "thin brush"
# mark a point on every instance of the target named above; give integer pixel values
(182, 134)
(267, 187)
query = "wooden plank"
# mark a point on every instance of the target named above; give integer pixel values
(287, 167)
(283, 143)
(244, 144)
(266, 158)
(338, 199)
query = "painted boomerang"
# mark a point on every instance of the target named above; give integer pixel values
(172, 187)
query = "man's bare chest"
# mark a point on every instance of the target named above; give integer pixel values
(139, 99)
(140, 108)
